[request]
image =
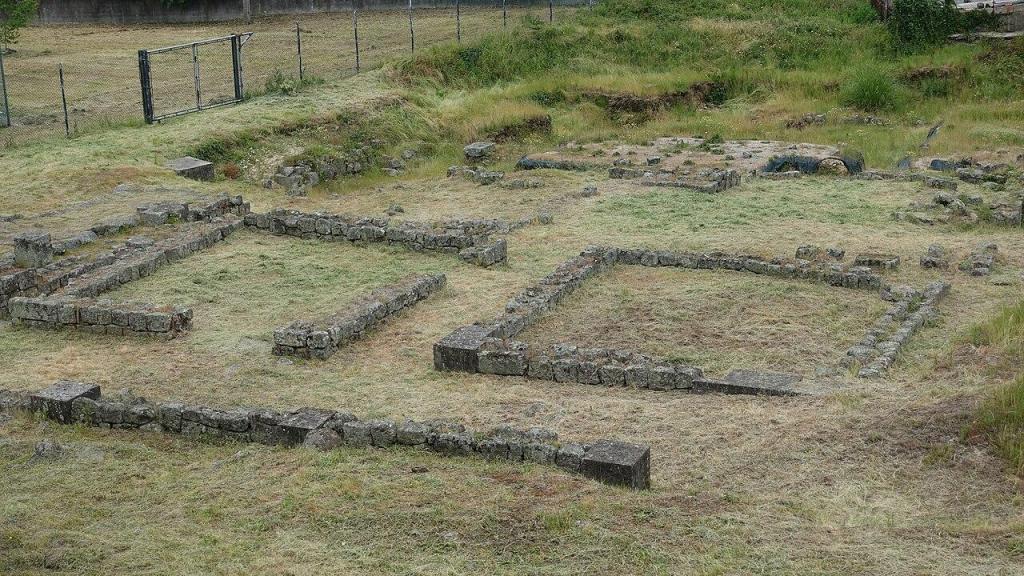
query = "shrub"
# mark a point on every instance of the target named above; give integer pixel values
(871, 90)
(917, 24)
(231, 171)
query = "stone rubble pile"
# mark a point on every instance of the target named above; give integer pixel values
(981, 260)
(478, 175)
(296, 180)
(321, 339)
(470, 240)
(66, 402)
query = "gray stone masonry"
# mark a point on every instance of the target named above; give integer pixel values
(321, 339)
(470, 239)
(608, 461)
(32, 250)
(881, 345)
(478, 150)
(489, 347)
(751, 382)
(214, 220)
(100, 316)
(55, 402)
(192, 168)
(618, 464)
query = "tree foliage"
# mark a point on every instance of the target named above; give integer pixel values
(15, 14)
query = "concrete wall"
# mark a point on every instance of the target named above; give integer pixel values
(136, 11)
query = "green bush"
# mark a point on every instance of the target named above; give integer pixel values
(917, 24)
(872, 90)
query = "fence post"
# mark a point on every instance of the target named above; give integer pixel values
(298, 42)
(551, 11)
(3, 80)
(504, 14)
(236, 65)
(147, 87)
(355, 31)
(412, 33)
(458, 22)
(64, 100)
(198, 81)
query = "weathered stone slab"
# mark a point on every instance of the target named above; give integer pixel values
(751, 382)
(32, 250)
(478, 150)
(192, 168)
(296, 425)
(55, 401)
(618, 464)
(459, 351)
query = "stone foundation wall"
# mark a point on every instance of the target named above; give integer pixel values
(490, 348)
(101, 316)
(882, 343)
(469, 239)
(321, 339)
(49, 277)
(67, 402)
(134, 262)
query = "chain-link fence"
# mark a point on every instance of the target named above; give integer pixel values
(63, 81)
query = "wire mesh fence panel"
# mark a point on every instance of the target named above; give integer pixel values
(384, 34)
(191, 77)
(328, 48)
(101, 68)
(172, 77)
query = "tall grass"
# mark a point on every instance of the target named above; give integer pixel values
(1000, 418)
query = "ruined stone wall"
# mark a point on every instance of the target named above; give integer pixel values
(489, 347)
(31, 273)
(882, 343)
(68, 402)
(322, 338)
(469, 239)
(100, 316)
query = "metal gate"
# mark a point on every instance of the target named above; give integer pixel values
(191, 77)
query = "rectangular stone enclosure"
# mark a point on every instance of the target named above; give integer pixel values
(489, 348)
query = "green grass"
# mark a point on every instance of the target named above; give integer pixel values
(1000, 417)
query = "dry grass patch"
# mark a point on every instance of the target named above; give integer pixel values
(717, 320)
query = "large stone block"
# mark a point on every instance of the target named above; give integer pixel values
(32, 250)
(55, 402)
(459, 351)
(193, 168)
(751, 382)
(296, 425)
(618, 464)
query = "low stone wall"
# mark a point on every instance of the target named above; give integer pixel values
(321, 339)
(490, 348)
(47, 279)
(469, 239)
(101, 316)
(32, 274)
(141, 260)
(612, 462)
(882, 343)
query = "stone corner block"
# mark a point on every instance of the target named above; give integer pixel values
(460, 350)
(192, 168)
(618, 464)
(55, 401)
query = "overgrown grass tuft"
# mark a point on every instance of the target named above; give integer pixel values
(873, 90)
(1000, 418)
